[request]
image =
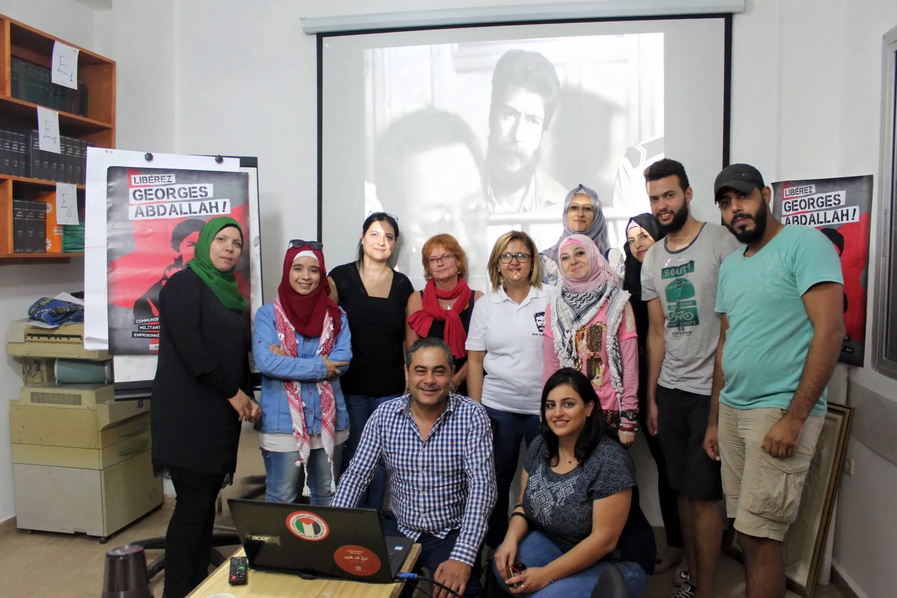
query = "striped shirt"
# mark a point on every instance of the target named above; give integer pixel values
(439, 484)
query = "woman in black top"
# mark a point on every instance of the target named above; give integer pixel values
(200, 395)
(443, 308)
(374, 297)
(578, 512)
(642, 232)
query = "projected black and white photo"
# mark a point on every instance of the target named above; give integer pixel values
(476, 138)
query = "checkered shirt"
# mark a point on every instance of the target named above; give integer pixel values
(443, 483)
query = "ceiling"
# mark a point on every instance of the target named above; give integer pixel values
(97, 4)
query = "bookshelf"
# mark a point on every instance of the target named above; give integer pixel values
(19, 42)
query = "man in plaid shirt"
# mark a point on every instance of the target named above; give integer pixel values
(438, 451)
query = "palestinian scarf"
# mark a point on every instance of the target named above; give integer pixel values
(632, 280)
(597, 231)
(222, 284)
(421, 321)
(286, 333)
(580, 301)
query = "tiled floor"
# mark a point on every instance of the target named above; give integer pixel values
(39, 564)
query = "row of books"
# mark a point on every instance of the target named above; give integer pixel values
(20, 155)
(35, 230)
(32, 83)
(29, 226)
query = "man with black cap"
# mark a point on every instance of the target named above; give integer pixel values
(781, 306)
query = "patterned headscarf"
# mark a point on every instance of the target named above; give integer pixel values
(580, 301)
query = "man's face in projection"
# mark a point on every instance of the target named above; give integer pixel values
(443, 193)
(515, 136)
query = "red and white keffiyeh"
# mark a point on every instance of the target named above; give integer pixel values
(286, 333)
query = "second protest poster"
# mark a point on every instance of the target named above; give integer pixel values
(841, 209)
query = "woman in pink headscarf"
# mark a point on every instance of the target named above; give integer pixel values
(592, 328)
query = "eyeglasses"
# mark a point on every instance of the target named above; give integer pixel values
(520, 257)
(302, 244)
(442, 258)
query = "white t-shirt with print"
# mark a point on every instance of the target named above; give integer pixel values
(511, 335)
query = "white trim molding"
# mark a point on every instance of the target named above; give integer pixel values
(479, 15)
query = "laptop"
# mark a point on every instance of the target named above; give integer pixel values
(318, 541)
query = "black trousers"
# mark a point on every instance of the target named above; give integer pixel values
(669, 508)
(188, 542)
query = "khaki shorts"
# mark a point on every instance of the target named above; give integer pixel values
(762, 492)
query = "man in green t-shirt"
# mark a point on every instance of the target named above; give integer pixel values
(781, 305)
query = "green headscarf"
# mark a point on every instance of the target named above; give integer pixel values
(223, 284)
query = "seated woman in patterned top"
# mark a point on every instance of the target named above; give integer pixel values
(579, 511)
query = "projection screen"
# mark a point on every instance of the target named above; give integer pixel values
(443, 128)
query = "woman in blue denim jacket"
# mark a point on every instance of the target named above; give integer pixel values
(301, 346)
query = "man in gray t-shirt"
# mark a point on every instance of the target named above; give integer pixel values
(684, 280)
(679, 280)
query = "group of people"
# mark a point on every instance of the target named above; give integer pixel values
(717, 341)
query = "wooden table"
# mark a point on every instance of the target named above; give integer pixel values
(282, 585)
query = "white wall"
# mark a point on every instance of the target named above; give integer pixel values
(143, 47)
(20, 286)
(806, 102)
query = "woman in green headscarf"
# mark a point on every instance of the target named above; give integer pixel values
(200, 395)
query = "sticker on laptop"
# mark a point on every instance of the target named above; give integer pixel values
(307, 526)
(356, 560)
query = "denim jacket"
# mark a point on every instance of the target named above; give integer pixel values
(307, 368)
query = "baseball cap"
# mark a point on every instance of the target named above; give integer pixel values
(741, 177)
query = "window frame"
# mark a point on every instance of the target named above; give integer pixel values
(884, 312)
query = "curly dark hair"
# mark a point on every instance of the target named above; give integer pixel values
(183, 230)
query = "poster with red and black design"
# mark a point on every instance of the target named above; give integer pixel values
(841, 209)
(153, 221)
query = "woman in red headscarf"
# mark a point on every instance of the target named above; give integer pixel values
(302, 345)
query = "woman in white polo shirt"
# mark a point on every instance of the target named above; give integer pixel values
(504, 367)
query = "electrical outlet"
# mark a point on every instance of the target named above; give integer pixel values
(848, 466)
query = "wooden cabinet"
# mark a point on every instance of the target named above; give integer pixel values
(19, 42)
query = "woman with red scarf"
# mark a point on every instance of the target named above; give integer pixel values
(302, 345)
(443, 308)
